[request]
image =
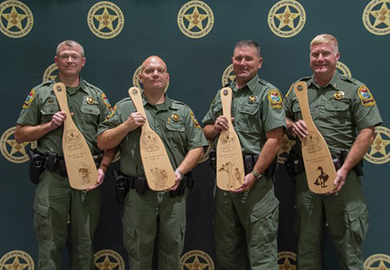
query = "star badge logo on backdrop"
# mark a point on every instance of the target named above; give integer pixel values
(376, 17)
(16, 19)
(377, 262)
(287, 260)
(50, 73)
(17, 259)
(343, 69)
(379, 152)
(105, 20)
(196, 259)
(13, 151)
(286, 148)
(195, 19)
(136, 81)
(109, 259)
(286, 18)
(228, 76)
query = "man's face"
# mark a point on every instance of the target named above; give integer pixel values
(154, 74)
(323, 60)
(246, 63)
(69, 60)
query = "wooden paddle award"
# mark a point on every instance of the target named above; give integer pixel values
(320, 171)
(230, 163)
(157, 167)
(81, 168)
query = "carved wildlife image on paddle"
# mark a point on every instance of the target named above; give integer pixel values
(230, 163)
(157, 166)
(80, 166)
(319, 168)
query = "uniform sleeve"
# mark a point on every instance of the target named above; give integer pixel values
(194, 132)
(365, 109)
(273, 115)
(29, 116)
(105, 107)
(111, 121)
(211, 115)
(287, 103)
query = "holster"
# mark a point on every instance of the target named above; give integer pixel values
(294, 164)
(343, 155)
(122, 187)
(250, 162)
(213, 159)
(37, 165)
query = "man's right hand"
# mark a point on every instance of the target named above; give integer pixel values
(135, 120)
(57, 119)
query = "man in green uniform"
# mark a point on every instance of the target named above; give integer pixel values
(345, 113)
(55, 201)
(154, 218)
(246, 219)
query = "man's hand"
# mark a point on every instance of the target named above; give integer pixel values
(100, 180)
(249, 181)
(135, 120)
(179, 177)
(339, 182)
(57, 119)
(300, 129)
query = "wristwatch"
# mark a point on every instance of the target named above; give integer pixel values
(256, 174)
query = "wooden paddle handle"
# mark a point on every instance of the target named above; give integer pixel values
(226, 100)
(300, 89)
(136, 97)
(60, 92)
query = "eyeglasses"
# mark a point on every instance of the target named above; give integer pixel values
(74, 57)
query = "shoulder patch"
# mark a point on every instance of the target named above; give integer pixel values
(112, 112)
(29, 99)
(196, 123)
(275, 100)
(106, 102)
(366, 97)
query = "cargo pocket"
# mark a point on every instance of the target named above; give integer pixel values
(41, 221)
(358, 219)
(130, 241)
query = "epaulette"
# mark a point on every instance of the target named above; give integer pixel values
(304, 79)
(349, 79)
(176, 104)
(93, 87)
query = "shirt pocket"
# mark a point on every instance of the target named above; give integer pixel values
(89, 121)
(339, 111)
(248, 119)
(47, 112)
(175, 133)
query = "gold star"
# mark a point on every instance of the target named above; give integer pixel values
(196, 265)
(16, 147)
(286, 18)
(106, 264)
(16, 265)
(382, 15)
(14, 19)
(195, 19)
(287, 265)
(287, 145)
(105, 20)
(381, 266)
(379, 145)
(231, 77)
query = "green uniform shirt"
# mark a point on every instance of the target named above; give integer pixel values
(339, 110)
(173, 121)
(88, 103)
(257, 108)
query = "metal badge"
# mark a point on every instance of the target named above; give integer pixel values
(90, 100)
(175, 117)
(252, 99)
(339, 95)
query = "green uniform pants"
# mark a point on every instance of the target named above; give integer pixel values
(54, 202)
(346, 215)
(150, 219)
(246, 224)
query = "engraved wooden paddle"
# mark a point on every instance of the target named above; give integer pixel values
(81, 168)
(157, 166)
(320, 171)
(230, 163)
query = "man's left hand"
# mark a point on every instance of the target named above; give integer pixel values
(339, 182)
(249, 181)
(100, 179)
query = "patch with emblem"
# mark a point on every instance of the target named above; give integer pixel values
(175, 117)
(106, 102)
(90, 100)
(252, 99)
(366, 98)
(29, 99)
(275, 101)
(111, 114)
(196, 123)
(339, 95)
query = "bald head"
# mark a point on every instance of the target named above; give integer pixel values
(154, 73)
(153, 59)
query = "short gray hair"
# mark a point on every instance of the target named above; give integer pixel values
(70, 43)
(248, 43)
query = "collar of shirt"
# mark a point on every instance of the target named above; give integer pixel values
(333, 82)
(250, 85)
